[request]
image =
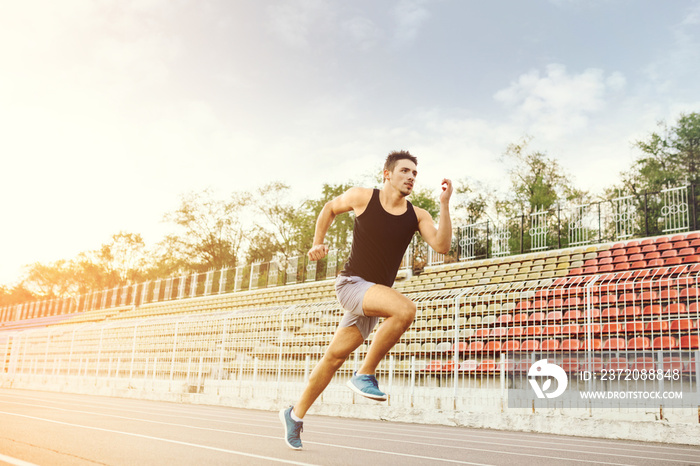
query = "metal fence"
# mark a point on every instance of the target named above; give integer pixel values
(666, 212)
(467, 349)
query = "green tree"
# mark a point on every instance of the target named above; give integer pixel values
(670, 157)
(212, 230)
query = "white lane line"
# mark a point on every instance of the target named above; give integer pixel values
(160, 439)
(251, 455)
(447, 433)
(463, 437)
(411, 427)
(424, 444)
(15, 461)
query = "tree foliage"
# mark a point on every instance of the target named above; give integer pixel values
(670, 157)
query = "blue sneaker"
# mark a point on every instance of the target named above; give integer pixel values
(367, 386)
(292, 429)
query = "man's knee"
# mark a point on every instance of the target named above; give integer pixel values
(408, 311)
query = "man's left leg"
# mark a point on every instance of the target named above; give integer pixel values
(399, 312)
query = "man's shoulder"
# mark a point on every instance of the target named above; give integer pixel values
(360, 194)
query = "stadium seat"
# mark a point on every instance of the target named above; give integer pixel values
(682, 325)
(657, 326)
(594, 364)
(570, 365)
(611, 313)
(468, 366)
(593, 344)
(676, 308)
(570, 345)
(689, 342)
(617, 364)
(511, 345)
(530, 345)
(664, 342)
(615, 344)
(515, 331)
(573, 314)
(639, 343)
(475, 347)
(550, 345)
(634, 326)
(434, 366)
(652, 309)
(487, 365)
(674, 363)
(613, 328)
(492, 347)
(643, 364)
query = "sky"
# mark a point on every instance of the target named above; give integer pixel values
(111, 110)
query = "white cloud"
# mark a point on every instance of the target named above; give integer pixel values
(410, 15)
(362, 31)
(558, 103)
(294, 22)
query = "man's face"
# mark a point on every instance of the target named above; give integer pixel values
(403, 176)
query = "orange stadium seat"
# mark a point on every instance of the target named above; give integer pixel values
(689, 342)
(571, 345)
(639, 343)
(615, 344)
(664, 343)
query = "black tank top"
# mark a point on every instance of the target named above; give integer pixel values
(379, 241)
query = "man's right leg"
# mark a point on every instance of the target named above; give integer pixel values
(345, 341)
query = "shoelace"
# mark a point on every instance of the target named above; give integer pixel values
(298, 428)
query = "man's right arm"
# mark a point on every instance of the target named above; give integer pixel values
(353, 199)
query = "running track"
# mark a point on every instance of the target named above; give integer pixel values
(42, 428)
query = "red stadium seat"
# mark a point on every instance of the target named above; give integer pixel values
(433, 366)
(610, 313)
(613, 327)
(593, 365)
(669, 294)
(664, 343)
(530, 345)
(639, 343)
(571, 329)
(615, 344)
(536, 317)
(643, 364)
(657, 326)
(617, 364)
(634, 327)
(594, 344)
(652, 310)
(520, 317)
(573, 314)
(492, 347)
(570, 345)
(682, 325)
(504, 319)
(533, 331)
(691, 292)
(570, 365)
(511, 345)
(487, 365)
(632, 311)
(475, 347)
(689, 342)
(515, 331)
(549, 345)
(498, 332)
(674, 261)
(676, 308)
(674, 364)
(554, 315)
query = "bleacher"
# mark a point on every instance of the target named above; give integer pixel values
(634, 303)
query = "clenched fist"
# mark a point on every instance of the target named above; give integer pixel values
(318, 252)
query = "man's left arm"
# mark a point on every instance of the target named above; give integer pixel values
(439, 238)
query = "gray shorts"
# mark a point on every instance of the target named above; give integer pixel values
(351, 291)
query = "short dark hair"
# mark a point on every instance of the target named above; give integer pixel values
(397, 155)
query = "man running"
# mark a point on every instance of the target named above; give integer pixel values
(385, 222)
